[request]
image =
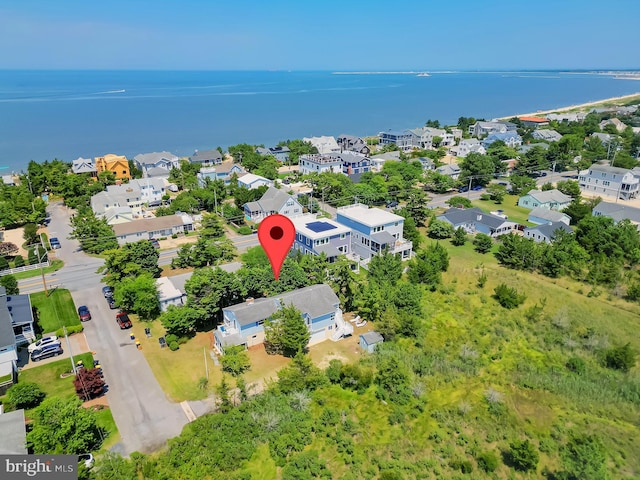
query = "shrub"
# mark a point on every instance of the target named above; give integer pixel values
(175, 235)
(89, 384)
(18, 261)
(482, 243)
(171, 338)
(576, 365)
(439, 229)
(173, 346)
(3, 263)
(487, 461)
(25, 395)
(70, 330)
(523, 455)
(508, 297)
(245, 230)
(620, 358)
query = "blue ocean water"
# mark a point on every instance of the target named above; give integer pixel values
(68, 114)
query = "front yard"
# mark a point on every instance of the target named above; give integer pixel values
(55, 311)
(509, 207)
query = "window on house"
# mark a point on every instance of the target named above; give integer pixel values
(260, 322)
(343, 236)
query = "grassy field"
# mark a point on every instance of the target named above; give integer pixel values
(509, 206)
(56, 310)
(53, 267)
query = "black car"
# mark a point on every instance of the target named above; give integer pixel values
(46, 352)
(463, 189)
(107, 292)
(112, 303)
(392, 204)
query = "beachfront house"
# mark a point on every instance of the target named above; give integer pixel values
(577, 117)
(511, 139)
(609, 181)
(84, 165)
(155, 227)
(352, 143)
(324, 144)
(474, 220)
(374, 231)
(401, 139)
(550, 199)
(320, 163)
(117, 164)
(151, 190)
(243, 324)
(546, 232)
(156, 164)
(534, 122)
(206, 158)
(272, 201)
(315, 236)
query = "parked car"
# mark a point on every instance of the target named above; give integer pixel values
(107, 292)
(463, 189)
(477, 187)
(112, 303)
(47, 351)
(84, 313)
(155, 243)
(54, 242)
(43, 342)
(123, 320)
(392, 204)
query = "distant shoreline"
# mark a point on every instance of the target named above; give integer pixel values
(580, 106)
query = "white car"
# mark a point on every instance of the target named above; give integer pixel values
(52, 340)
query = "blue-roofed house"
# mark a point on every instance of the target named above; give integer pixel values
(373, 231)
(315, 236)
(243, 324)
(546, 232)
(401, 139)
(474, 220)
(511, 139)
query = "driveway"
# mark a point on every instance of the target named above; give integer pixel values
(144, 416)
(77, 344)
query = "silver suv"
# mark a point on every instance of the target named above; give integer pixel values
(46, 352)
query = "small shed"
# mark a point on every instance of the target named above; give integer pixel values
(369, 340)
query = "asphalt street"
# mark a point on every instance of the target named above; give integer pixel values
(144, 416)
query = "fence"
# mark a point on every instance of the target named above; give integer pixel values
(26, 268)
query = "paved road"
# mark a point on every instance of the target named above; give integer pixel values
(144, 416)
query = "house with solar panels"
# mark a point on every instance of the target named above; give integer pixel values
(373, 231)
(315, 236)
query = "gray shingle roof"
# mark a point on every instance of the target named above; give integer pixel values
(458, 216)
(316, 300)
(546, 214)
(154, 157)
(271, 201)
(550, 196)
(7, 336)
(206, 156)
(20, 308)
(617, 211)
(372, 337)
(13, 440)
(148, 225)
(549, 229)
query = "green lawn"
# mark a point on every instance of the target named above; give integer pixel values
(509, 206)
(56, 310)
(53, 267)
(48, 376)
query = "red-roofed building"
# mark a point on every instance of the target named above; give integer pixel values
(534, 122)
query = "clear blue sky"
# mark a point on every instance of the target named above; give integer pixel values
(319, 35)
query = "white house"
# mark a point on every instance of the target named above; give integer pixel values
(125, 195)
(609, 181)
(224, 172)
(547, 135)
(467, 146)
(273, 201)
(373, 231)
(116, 215)
(481, 128)
(423, 137)
(156, 164)
(377, 161)
(324, 144)
(151, 190)
(84, 165)
(620, 126)
(452, 170)
(550, 199)
(149, 228)
(252, 181)
(320, 163)
(169, 294)
(474, 220)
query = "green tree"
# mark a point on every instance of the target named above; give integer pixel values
(181, 321)
(427, 267)
(523, 455)
(209, 290)
(569, 187)
(131, 260)
(521, 184)
(10, 283)
(480, 167)
(459, 237)
(496, 192)
(62, 426)
(385, 268)
(305, 465)
(30, 233)
(458, 201)
(18, 261)
(94, 235)
(235, 360)
(392, 378)
(620, 358)
(293, 332)
(3, 263)
(139, 295)
(25, 395)
(301, 374)
(482, 243)
(440, 229)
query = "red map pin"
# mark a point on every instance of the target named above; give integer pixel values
(276, 234)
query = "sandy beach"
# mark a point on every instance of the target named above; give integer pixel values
(580, 106)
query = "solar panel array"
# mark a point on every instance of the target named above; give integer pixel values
(318, 227)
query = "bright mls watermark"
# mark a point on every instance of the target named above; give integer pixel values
(48, 467)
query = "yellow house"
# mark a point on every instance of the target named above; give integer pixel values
(118, 164)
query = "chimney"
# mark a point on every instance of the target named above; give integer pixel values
(249, 301)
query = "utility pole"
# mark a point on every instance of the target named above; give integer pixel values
(73, 364)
